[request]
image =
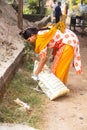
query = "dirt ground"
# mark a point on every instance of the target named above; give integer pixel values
(65, 113)
(70, 112)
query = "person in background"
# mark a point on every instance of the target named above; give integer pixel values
(58, 12)
(53, 11)
(54, 6)
(66, 8)
(82, 6)
(64, 43)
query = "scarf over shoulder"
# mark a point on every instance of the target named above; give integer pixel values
(44, 39)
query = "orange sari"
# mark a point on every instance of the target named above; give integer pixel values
(62, 62)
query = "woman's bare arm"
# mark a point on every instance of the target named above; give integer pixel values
(40, 65)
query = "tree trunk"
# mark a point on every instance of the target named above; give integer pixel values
(20, 14)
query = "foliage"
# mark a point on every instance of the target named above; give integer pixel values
(29, 55)
(22, 87)
(48, 11)
(78, 1)
(31, 8)
(34, 7)
(26, 11)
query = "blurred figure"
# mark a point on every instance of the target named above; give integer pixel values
(58, 12)
(66, 8)
(54, 6)
(82, 7)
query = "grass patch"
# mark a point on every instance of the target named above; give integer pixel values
(22, 87)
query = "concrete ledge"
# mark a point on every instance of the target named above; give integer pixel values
(10, 70)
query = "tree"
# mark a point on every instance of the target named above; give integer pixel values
(20, 14)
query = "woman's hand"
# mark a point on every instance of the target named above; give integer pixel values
(35, 77)
(40, 66)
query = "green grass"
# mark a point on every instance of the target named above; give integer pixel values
(21, 86)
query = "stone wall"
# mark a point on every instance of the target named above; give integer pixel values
(33, 17)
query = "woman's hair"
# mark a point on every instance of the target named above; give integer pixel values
(28, 32)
